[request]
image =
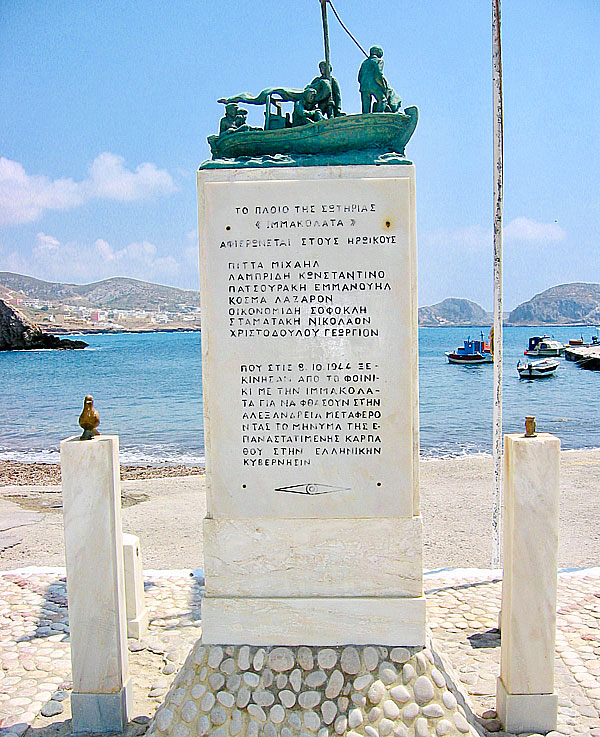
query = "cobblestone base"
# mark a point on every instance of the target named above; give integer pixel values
(371, 691)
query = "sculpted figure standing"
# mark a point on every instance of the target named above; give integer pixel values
(329, 96)
(372, 82)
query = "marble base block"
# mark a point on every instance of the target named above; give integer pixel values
(313, 557)
(526, 712)
(531, 499)
(315, 621)
(95, 582)
(137, 614)
(101, 712)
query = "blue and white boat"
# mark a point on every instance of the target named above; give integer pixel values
(473, 352)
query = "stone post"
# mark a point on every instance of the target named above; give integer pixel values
(95, 584)
(137, 614)
(525, 695)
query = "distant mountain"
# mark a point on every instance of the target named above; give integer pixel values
(566, 304)
(453, 311)
(116, 293)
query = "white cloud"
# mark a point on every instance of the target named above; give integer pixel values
(524, 229)
(25, 197)
(110, 179)
(77, 262)
(470, 238)
(474, 238)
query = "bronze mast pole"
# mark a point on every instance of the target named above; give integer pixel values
(326, 38)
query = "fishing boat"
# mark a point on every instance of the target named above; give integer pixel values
(537, 369)
(544, 346)
(471, 353)
(384, 132)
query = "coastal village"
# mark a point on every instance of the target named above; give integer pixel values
(64, 311)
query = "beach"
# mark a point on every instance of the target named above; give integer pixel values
(165, 507)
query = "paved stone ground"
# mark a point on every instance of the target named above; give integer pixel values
(462, 614)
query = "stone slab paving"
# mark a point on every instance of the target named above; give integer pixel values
(462, 615)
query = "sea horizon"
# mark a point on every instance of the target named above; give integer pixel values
(148, 389)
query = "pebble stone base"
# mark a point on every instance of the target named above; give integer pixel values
(366, 691)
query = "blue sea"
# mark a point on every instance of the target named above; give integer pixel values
(148, 390)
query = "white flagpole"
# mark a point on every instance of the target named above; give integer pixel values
(498, 306)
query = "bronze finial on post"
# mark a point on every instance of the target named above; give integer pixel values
(89, 419)
(530, 427)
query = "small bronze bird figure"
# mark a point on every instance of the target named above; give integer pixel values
(89, 419)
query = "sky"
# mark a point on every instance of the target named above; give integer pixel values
(106, 108)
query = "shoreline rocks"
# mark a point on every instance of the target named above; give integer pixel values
(17, 333)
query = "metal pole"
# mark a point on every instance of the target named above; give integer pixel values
(498, 306)
(326, 38)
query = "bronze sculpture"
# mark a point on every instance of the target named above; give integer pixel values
(89, 419)
(329, 96)
(372, 82)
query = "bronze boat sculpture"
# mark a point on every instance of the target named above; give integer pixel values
(383, 132)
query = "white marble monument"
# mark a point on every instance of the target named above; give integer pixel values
(309, 342)
(525, 695)
(101, 697)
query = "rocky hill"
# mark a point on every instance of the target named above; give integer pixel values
(19, 333)
(116, 293)
(453, 311)
(566, 304)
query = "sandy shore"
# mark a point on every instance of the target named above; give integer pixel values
(13, 473)
(166, 513)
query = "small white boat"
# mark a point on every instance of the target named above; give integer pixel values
(537, 369)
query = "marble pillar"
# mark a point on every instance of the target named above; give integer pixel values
(525, 696)
(137, 614)
(101, 695)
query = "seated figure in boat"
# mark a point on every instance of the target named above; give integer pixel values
(306, 109)
(372, 83)
(329, 96)
(234, 120)
(229, 121)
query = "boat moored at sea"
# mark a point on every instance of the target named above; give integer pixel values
(537, 369)
(544, 346)
(472, 353)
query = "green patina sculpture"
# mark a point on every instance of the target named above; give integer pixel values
(373, 84)
(371, 81)
(316, 126)
(306, 109)
(329, 96)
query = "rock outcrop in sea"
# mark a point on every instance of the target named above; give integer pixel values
(17, 332)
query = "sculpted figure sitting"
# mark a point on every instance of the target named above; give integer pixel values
(229, 121)
(305, 109)
(329, 96)
(234, 120)
(372, 82)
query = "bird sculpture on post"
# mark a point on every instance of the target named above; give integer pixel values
(89, 419)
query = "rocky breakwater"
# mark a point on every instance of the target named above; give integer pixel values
(19, 333)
